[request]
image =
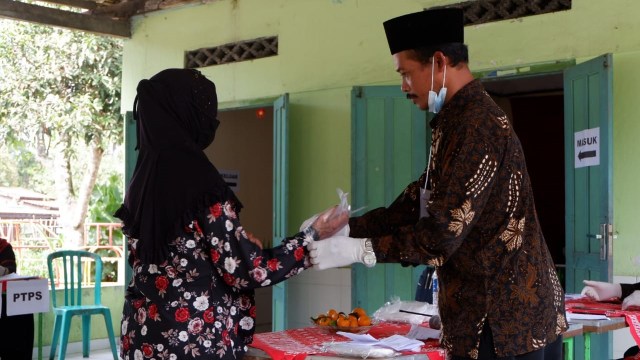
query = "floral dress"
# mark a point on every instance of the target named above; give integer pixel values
(200, 302)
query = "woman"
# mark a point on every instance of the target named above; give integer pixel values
(16, 332)
(194, 267)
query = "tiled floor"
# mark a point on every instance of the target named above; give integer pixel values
(104, 354)
(100, 354)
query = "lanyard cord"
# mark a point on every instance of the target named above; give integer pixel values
(426, 178)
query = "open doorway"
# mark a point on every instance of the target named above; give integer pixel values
(535, 107)
(243, 153)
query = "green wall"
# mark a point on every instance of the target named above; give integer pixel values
(626, 159)
(328, 46)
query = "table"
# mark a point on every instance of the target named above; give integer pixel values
(297, 344)
(567, 338)
(598, 327)
(617, 318)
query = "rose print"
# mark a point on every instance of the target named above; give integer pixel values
(182, 315)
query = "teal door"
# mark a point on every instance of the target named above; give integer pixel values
(588, 169)
(389, 150)
(280, 184)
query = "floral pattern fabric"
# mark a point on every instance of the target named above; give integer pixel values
(200, 302)
(482, 233)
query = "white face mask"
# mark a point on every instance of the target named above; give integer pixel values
(435, 102)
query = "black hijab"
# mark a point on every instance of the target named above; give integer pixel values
(173, 181)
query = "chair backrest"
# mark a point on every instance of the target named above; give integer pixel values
(71, 268)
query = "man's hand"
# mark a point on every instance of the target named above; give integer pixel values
(600, 291)
(631, 300)
(335, 252)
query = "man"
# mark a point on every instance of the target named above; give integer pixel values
(499, 295)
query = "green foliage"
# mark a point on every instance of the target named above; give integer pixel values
(59, 88)
(60, 91)
(106, 199)
(58, 85)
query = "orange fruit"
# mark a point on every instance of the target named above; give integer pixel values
(353, 321)
(343, 321)
(360, 311)
(333, 314)
(364, 320)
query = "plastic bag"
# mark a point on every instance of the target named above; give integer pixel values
(342, 207)
(358, 350)
(390, 311)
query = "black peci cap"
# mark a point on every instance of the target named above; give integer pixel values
(425, 28)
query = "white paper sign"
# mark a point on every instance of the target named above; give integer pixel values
(587, 147)
(231, 177)
(27, 296)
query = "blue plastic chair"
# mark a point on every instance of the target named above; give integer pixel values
(70, 266)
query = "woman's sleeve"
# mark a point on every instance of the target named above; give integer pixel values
(628, 289)
(241, 263)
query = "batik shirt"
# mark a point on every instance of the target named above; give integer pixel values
(482, 233)
(199, 304)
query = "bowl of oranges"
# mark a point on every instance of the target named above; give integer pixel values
(357, 321)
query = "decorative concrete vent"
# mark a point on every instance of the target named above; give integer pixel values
(232, 52)
(484, 11)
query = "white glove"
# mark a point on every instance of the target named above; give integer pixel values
(631, 300)
(336, 251)
(600, 291)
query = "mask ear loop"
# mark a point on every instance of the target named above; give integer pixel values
(444, 78)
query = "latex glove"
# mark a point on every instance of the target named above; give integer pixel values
(601, 291)
(330, 222)
(336, 251)
(631, 300)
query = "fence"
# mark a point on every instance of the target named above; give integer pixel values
(33, 239)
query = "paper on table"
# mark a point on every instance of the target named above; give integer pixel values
(399, 343)
(422, 333)
(574, 316)
(365, 338)
(14, 276)
(395, 342)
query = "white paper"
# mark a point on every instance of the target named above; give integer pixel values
(14, 276)
(395, 342)
(573, 316)
(422, 333)
(364, 339)
(400, 343)
(27, 296)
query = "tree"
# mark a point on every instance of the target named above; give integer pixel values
(60, 101)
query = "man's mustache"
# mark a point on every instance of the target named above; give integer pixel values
(411, 96)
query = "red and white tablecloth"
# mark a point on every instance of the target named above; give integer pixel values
(610, 309)
(296, 344)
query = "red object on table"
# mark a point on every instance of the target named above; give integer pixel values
(296, 344)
